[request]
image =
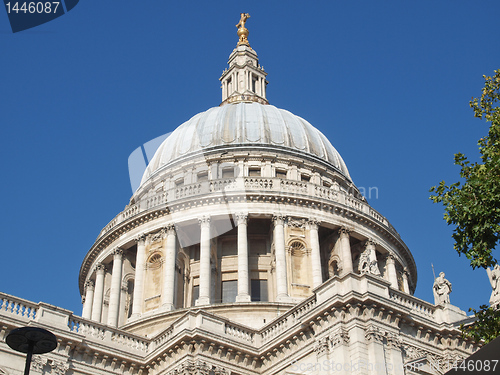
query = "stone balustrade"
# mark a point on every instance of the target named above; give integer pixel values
(261, 185)
(21, 312)
(17, 307)
(415, 305)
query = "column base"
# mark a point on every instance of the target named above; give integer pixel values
(202, 301)
(167, 307)
(243, 298)
(284, 298)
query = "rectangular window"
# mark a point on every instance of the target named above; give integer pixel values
(259, 290)
(254, 172)
(280, 174)
(229, 291)
(196, 294)
(304, 178)
(326, 184)
(179, 182)
(202, 176)
(228, 173)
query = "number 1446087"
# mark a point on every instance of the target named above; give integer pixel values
(33, 7)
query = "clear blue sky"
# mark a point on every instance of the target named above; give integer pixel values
(388, 82)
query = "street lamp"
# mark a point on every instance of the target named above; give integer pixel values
(31, 340)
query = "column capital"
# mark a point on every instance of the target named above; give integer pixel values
(140, 238)
(117, 253)
(390, 259)
(241, 218)
(344, 231)
(370, 242)
(279, 219)
(170, 229)
(89, 284)
(313, 223)
(100, 268)
(204, 221)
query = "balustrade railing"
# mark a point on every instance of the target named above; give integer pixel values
(419, 307)
(239, 332)
(276, 185)
(17, 306)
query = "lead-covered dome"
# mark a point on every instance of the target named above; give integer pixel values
(247, 125)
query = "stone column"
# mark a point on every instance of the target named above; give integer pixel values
(345, 250)
(315, 253)
(205, 269)
(243, 272)
(391, 271)
(169, 270)
(140, 270)
(89, 299)
(116, 284)
(98, 293)
(406, 285)
(280, 252)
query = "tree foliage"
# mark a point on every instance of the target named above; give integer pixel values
(472, 205)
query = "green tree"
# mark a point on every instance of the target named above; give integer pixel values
(472, 205)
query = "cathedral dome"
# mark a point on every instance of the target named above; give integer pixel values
(247, 125)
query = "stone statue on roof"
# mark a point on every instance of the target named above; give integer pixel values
(494, 276)
(441, 289)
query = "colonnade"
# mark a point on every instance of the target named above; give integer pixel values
(94, 291)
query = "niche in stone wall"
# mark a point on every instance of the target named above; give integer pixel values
(300, 265)
(152, 286)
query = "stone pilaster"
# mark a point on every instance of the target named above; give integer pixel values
(169, 270)
(98, 293)
(116, 281)
(205, 269)
(243, 272)
(140, 268)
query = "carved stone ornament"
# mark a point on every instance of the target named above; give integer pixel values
(322, 346)
(344, 231)
(141, 239)
(59, 368)
(279, 219)
(374, 334)
(411, 353)
(100, 268)
(204, 220)
(117, 253)
(313, 223)
(241, 218)
(89, 284)
(170, 229)
(296, 223)
(199, 367)
(158, 236)
(38, 363)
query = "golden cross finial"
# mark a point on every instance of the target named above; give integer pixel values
(242, 30)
